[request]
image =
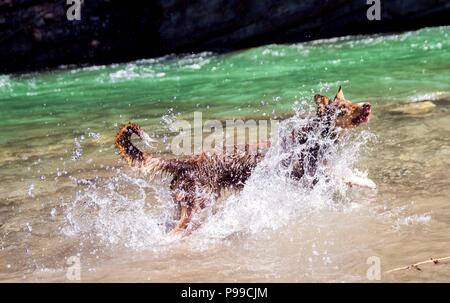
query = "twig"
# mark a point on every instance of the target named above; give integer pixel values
(416, 265)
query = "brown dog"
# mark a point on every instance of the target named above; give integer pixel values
(198, 180)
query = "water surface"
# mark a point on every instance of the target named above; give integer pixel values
(65, 193)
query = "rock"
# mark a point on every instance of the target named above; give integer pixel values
(415, 108)
(37, 34)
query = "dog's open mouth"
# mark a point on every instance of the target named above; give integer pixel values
(363, 117)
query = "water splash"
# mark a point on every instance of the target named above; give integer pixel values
(134, 212)
(118, 211)
(271, 199)
(77, 149)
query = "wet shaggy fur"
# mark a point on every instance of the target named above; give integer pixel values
(198, 180)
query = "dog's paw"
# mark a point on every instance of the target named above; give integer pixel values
(353, 180)
(361, 182)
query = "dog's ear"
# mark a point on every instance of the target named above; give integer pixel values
(322, 102)
(339, 94)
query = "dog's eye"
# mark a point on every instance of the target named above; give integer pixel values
(342, 111)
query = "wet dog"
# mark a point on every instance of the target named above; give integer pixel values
(198, 180)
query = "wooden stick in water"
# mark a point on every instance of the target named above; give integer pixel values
(416, 265)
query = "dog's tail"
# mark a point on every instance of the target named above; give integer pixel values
(136, 157)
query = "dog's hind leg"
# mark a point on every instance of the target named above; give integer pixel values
(183, 195)
(185, 219)
(200, 212)
(191, 208)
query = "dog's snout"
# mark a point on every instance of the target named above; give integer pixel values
(366, 106)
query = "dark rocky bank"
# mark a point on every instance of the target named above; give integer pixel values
(35, 34)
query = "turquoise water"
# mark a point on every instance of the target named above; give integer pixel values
(264, 80)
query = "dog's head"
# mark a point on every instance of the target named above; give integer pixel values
(345, 113)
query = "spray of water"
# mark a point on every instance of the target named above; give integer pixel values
(135, 212)
(271, 199)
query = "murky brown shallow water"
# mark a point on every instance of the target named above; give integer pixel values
(407, 219)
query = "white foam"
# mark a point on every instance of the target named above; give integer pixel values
(134, 212)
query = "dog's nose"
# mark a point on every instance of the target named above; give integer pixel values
(366, 106)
